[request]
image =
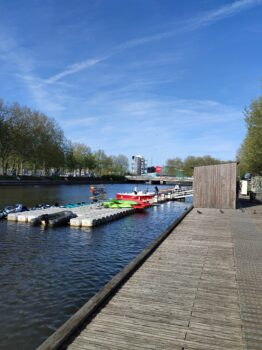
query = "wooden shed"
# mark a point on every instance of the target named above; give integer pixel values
(215, 186)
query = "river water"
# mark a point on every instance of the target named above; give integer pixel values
(46, 275)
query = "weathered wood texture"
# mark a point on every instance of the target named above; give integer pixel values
(185, 296)
(247, 238)
(88, 310)
(215, 186)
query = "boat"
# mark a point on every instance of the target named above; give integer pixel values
(140, 196)
(17, 208)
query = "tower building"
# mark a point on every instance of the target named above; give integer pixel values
(138, 165)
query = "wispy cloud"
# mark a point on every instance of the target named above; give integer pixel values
(190, 25)
(225, 12)
(74, 68)
(175, 128)
(19, 63)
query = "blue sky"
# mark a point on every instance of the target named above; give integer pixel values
(161, 78)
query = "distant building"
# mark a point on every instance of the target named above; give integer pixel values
(151, 169)
(138, 165)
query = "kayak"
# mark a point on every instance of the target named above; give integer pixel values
(136, 196)
(75, 205)
(124, 203)
(116, 203)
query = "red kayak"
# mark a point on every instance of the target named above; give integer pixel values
(141, 204)
(140, 196)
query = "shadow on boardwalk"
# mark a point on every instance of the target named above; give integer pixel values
(245, 202)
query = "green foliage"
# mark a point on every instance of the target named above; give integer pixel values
(172, 165)
(32, 141)
(187, 166)
(119, 165)
(250, 153)
(190, 162)
(6, 137)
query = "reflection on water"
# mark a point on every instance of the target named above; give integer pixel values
(47, 274)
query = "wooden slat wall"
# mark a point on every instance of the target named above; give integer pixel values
(215, 186)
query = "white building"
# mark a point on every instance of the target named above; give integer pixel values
(138, 165)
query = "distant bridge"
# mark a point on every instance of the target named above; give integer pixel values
(162, 180)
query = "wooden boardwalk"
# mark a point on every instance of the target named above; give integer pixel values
(200, 290)
(246, 229)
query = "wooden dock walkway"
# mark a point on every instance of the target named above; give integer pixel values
(200, 290)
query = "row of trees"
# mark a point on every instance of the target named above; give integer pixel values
(186, 166)
(30, 141)
(250, 152)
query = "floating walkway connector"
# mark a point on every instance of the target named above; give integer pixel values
(82, 216)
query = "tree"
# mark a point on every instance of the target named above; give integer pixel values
(37, 139)
(82, 156)
(242, 166)
(190, 162)
(29, 140)
(120, 164)
(101, 163)
(70, 162)
(2, 133)
(6, 139)
(251, 149)
(172, 165)
(20, 124)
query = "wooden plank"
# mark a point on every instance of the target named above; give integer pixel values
(215, 186)
(186, 292)
(88, 310)
(195, 292)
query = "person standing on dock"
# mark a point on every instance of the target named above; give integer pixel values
(135, 190)
(156, 190)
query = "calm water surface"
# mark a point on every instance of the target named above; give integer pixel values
(46, 275)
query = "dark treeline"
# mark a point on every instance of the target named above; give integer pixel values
(32, 143)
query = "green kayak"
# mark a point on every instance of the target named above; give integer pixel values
(119, 203)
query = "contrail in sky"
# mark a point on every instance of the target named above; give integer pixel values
(190, 25)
